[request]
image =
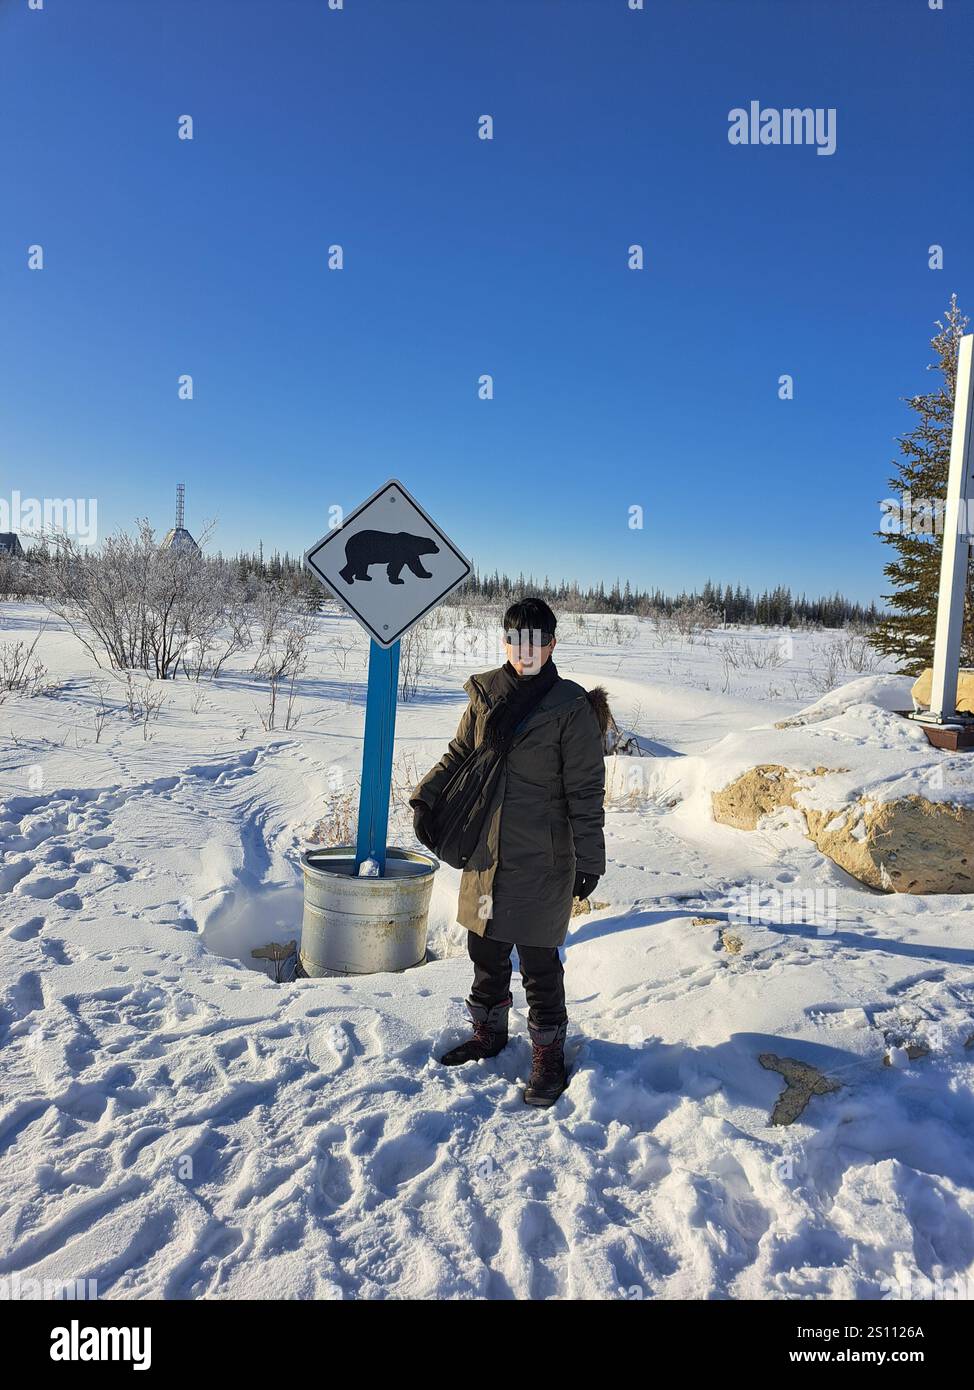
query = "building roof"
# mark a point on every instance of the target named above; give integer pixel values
(178, 538)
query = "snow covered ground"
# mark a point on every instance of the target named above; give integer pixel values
(175, 1124)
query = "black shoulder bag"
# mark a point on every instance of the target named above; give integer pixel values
(458, 817)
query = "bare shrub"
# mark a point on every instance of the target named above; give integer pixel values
(856, 652)
(414, 654)
(340, 648)
(406, 774)
(825, 667)
(741, 655)
(101, 713)
(153, 703)
(632, 787)
(216, 625)
(339, 824)
(285, 627)
(692, 617)
(21, 672)
(663, 627)
(624, 634)
(137, 605)
(144, 699)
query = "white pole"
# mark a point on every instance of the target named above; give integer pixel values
(957, 545)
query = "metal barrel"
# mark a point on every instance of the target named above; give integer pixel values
(363, 925)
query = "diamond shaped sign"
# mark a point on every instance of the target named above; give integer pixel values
(388, 563)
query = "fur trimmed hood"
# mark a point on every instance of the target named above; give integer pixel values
(599, 700)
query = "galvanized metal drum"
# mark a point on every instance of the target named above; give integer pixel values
(363, 925)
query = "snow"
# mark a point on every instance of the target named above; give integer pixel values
(174, 1124)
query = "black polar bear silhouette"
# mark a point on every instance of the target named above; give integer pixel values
(390, 548)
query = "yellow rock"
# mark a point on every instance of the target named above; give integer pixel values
(965, 689)
(909, 845)
(802, 1081)
(757, 792)
(582, 905)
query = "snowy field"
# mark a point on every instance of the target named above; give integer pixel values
(174, 1124)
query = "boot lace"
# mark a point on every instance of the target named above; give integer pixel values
(547, 1060)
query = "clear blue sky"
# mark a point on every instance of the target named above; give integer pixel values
(613, 388)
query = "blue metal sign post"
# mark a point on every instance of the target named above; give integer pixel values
(413, 565)
(380, 730)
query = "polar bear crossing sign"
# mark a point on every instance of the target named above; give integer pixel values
(388, 563)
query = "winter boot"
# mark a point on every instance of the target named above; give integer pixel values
(549, 1076)
(489, 1034)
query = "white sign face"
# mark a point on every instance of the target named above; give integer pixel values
(388, 563)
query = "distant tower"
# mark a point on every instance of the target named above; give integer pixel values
(179, 538)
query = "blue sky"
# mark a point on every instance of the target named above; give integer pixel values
(612, 388)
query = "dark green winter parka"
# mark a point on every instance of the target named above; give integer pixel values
(546, 817)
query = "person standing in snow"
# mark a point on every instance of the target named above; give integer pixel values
(541, 843)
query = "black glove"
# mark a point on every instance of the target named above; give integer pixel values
(421, 819)
(585, 884)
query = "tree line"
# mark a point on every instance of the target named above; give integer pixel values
(777, 607)
(726, 603)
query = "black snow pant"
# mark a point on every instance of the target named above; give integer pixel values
(541, 970)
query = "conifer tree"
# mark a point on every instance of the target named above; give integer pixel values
(915, 530)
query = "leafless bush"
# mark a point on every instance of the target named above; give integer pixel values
(137, 605)
(406, 774)
(284, 628)
(633, 787)
(153, 702)
(825, 667)
(101, 713)
(738, 654)
(339, 824)
(216, 625)
(21, 672)
(624, 634)
(693, 617)
(414, 653)
(851, 651)
(474, 634)
(145, 701)
(856, 652)
(340, 648)
(663, 627)
(601, 631)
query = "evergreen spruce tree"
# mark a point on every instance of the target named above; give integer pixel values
(907, 633)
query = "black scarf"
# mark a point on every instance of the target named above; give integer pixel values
(521, 695)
